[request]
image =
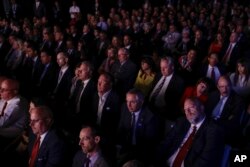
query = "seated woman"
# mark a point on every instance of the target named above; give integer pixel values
(146, 75)
(241, 78)
(200, 90)
(216, 45)
(109, 61)
(187, 65)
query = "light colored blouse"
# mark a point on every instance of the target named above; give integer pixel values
(242, 86)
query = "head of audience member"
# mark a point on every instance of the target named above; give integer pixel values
(9, 89)
(243, 67)
(213, 59)
(2, 78)
(85, 71)
(147, 64)
(112, 53)
(46, 57)
(167, 66)
(134, 100)
(133, 163)
(32, 50)
(202, 86)
(62, 59)
(104, 84)
(123, 55)
(127, 40)
(194, 110)
(198, 35)
(89, 140)
(41, 119)
(224, 85)
(191, 56)
(36, 102)
(233, 37)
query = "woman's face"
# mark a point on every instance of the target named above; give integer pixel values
(201, 88)
(241, 69)
(219, 37)
(144, 66)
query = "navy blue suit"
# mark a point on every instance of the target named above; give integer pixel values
(52, 151)
(230, 116)
(147, 134)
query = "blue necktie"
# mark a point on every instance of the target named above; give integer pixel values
(216, 112)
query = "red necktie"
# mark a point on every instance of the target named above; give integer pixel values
(226, 57)
(184, 149)
(34, 152)
(4, 107)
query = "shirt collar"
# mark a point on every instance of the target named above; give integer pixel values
(198, 124)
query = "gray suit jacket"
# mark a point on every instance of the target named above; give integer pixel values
(80, 157)
(13, 122)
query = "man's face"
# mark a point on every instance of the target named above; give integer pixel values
(133, 102)
(103, 84)
(224, 87)
(45, 59)
(6, 91)
(84, 73)
(122, 56)
(166, 68)
(87, 142)
(38, 123)
(61, 60)
(192, 111)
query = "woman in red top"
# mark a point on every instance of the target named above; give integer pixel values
(216, 45)
(200, 90)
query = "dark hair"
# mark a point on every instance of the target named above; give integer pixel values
(245, 63)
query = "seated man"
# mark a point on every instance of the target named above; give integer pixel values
(46, 146)
(13, 112)
(194, 141)
(138, 131)
(90, 155)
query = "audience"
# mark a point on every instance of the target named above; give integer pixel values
(126, 39)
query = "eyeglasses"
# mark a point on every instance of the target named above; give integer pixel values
(35, 120)
(5, 90)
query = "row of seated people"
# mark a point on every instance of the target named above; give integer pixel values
(136, 135)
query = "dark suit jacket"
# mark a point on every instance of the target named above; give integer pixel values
(40, 11)
(125, 76)
(235, 55)
(147, 132)
(110, 113)
(45, 85)
(85, 115)
(62, 90)
(231, 113)
(80, 157)
(172, 97)
(52, 151)
(206, 150)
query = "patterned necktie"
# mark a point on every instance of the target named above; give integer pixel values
(226, 57)
(4, 107)
(158, 89)
(184, 149)
(34, 152)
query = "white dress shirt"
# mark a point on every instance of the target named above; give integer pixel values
(170, 161)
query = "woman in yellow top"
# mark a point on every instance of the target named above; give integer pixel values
(146, 75)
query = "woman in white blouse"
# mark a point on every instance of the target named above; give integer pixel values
(241, 78)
